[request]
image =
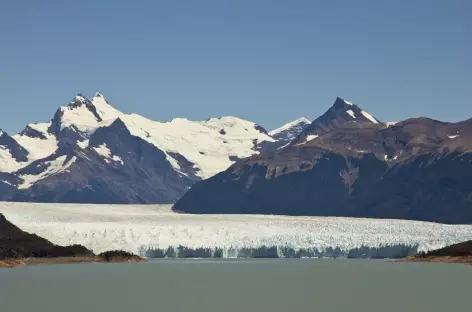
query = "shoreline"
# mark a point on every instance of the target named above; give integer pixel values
(437, 259)
(13, 263)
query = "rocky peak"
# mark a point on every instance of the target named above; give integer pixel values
(84, 113)
(79, 100)
(341, 114)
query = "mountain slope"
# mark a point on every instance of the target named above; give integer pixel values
(115, 167)
(341, 166)
(12, 154)
(90, 151)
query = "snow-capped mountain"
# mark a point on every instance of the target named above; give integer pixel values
(348, 163)
(288, 132)
(91, 152)
(343, 114)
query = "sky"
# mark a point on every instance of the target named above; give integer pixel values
(266, 61)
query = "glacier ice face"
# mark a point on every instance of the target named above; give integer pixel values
(146, 228)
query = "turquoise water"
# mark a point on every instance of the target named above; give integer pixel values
(238, 285)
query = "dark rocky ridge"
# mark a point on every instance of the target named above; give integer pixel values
(456, 253)
(418, 169)
(463, 249)
(20, 248)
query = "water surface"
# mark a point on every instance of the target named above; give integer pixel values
(238, 285)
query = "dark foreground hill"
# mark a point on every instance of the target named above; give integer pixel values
(459, 253)
(463, 249)
(16, 245)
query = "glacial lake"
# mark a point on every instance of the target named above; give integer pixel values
(238, 285)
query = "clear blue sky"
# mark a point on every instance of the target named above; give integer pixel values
(266, 61)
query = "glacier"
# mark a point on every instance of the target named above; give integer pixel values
(157, 231)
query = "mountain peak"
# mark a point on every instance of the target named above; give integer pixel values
(300, 122)
(84, 113)
(348, 112)
(340, 102)
(341, 114)
(78, 100)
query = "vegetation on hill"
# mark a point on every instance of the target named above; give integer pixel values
(17, 245)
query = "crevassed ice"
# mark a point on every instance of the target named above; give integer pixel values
(138, 228)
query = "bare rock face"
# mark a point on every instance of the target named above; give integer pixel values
(347, 163)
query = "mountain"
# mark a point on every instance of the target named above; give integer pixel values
(343, 114)
(348, 163)
(288, 132)
(91, 152)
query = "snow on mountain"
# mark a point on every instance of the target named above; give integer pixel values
(208, 144)
(193, 148)
(311, 137)
(52, 167)
(369, 116)
(12, 155)
(104, 151)
(7, 162)
(300, 122)
(351, 113)
(285, 134)
(60, 153)
(37, 140)
(87, 114)
(138, 228)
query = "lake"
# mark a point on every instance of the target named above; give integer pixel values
(238, 285)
